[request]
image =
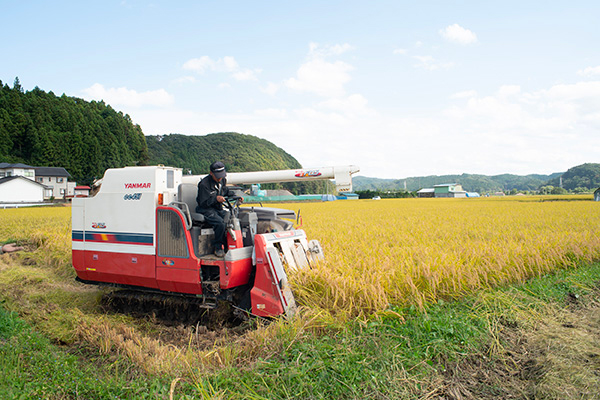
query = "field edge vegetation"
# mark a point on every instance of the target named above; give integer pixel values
(535, 339)
(404, 298)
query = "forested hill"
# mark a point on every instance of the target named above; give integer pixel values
(585, 176)
(86, 138)
(470, 182)
(239, 152)
(577, 179)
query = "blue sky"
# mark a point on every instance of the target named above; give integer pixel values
(398, 88)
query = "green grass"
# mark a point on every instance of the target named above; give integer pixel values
(34, 368)
(404, 353)
(383, 358)
(406, 357)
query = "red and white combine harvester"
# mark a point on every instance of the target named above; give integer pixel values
(141, 231)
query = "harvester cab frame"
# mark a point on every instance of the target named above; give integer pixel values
(141, 231)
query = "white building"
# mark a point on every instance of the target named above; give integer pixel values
(449, 190)
(18, 189)
(82, 191)
(18, 169)
(55, 180)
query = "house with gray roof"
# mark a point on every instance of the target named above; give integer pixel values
(17, 169)
(55, 181)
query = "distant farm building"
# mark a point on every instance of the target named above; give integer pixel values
(426, 192)
(597, 195)
(449, 190)
(82, 191)
(446, 190)
(348, 196)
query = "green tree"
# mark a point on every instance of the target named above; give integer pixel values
(39, 128)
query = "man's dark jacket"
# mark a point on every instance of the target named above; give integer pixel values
(208, 190)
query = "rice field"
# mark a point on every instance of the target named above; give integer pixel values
(404, 252)
(396, 251)
(415, 251)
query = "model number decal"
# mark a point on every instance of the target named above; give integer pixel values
(132, 196)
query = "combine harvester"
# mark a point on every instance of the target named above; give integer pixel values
(141, 231)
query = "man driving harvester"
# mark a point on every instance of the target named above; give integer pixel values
(212, 191)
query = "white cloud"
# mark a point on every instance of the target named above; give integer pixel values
(320, 51)
(321, 77)
(353, 105)
(200, 65)
(129, 97)
(457, 34)
(589, 71)
(276, 113)
(589, 91)
(271, 89)
(400, 51)
(464, 94)
(509, 90)
(225, 64)
(246, 75)
(561, 119)
(430, 63)
(185, 79)
(505, 131)
(230, 64)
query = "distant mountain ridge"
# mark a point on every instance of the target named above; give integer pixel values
(239, 152)
(469, 182)
(582, 176)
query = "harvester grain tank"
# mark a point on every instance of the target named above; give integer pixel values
(140, 230)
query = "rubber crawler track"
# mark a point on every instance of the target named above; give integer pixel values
(171, 310)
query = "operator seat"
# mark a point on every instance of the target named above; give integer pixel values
(186, 193)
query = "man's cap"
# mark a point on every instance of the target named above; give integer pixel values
(218, 169)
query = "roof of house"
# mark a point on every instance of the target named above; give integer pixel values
(445, 184)
(82, 188)
(17, 165)
(10, 178)
(51, 171)
(426, 190)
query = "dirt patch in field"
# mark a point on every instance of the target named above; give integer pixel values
(558, 358)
